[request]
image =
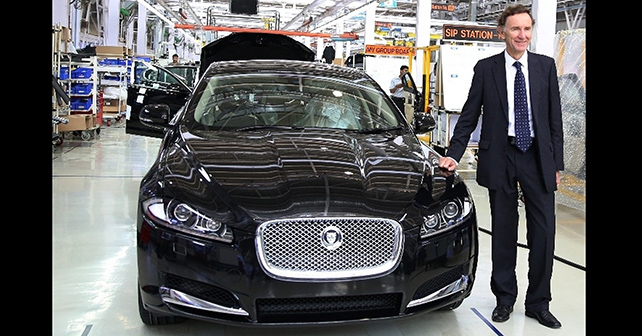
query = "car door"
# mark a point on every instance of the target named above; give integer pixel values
(188, 73)
(153, 84)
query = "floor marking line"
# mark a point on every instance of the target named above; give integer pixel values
(87, 329)
(490, 325)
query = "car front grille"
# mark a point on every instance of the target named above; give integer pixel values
(329, 249)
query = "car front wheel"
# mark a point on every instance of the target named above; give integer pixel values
(152, 319)
(452, 306)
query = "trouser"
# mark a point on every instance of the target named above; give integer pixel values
(522, 168)
(399, 102)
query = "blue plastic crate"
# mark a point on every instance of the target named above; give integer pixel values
(81, 88)
(111, 61)
(64, 73)
(81, 72)
(81, 103)
(143, 58)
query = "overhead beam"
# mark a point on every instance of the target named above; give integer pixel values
(336, 37)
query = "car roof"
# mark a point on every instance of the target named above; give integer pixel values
(245, 46)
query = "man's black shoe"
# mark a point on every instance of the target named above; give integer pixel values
(546, 318)
(502, 313)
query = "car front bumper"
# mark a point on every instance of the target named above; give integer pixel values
(185, 276)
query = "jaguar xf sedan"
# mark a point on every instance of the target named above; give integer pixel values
(295, 192)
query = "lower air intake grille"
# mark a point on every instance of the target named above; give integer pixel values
(201, 290)
(439, 282)
(335, 308)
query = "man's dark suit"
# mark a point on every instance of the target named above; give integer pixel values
(488, 89)
(500, 166)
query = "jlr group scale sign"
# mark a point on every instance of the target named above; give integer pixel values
(376, 49)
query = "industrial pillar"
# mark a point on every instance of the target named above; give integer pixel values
(320, 47)
(60, 13)
(545, 14)
(141, 35)
(422, 39)
(111, 20)
(369, 29)
(338, 45)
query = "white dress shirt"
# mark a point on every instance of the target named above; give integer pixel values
(510, 88)
(399, 93)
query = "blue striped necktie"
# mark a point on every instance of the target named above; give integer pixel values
(523, 138)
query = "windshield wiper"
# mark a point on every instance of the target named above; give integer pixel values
(258, 127)
(381, 130)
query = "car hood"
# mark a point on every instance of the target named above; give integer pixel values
(285, 174)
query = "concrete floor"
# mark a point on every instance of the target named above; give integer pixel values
(94, 193)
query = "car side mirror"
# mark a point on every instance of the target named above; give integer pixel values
(155, 115)
(423, 122)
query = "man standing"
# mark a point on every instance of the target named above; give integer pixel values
(175, 59)
(396, 88)
(521, 141)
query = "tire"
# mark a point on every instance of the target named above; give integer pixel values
(452, 306)
(149, 318)
(85, 135)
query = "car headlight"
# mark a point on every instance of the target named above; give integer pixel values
(446, 215)
(182, 217)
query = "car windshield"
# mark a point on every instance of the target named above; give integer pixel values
(267, 100)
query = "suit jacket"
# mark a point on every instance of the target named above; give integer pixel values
(488, 92)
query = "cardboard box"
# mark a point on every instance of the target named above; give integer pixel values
(119, 51)
(77, 122)
(65, 34)
(110, 115)
(112, 105)
(91, 121)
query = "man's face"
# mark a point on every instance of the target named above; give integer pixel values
(517, 34)
(403, 72)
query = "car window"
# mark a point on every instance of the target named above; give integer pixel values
(188, 74)
(149, 75)
(229, 102)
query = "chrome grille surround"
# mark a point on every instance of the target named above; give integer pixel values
(329, 248)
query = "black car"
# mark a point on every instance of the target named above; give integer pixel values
(153, 84)
(187, 72)
(355, 60)
(290, 192)
(173, 84)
